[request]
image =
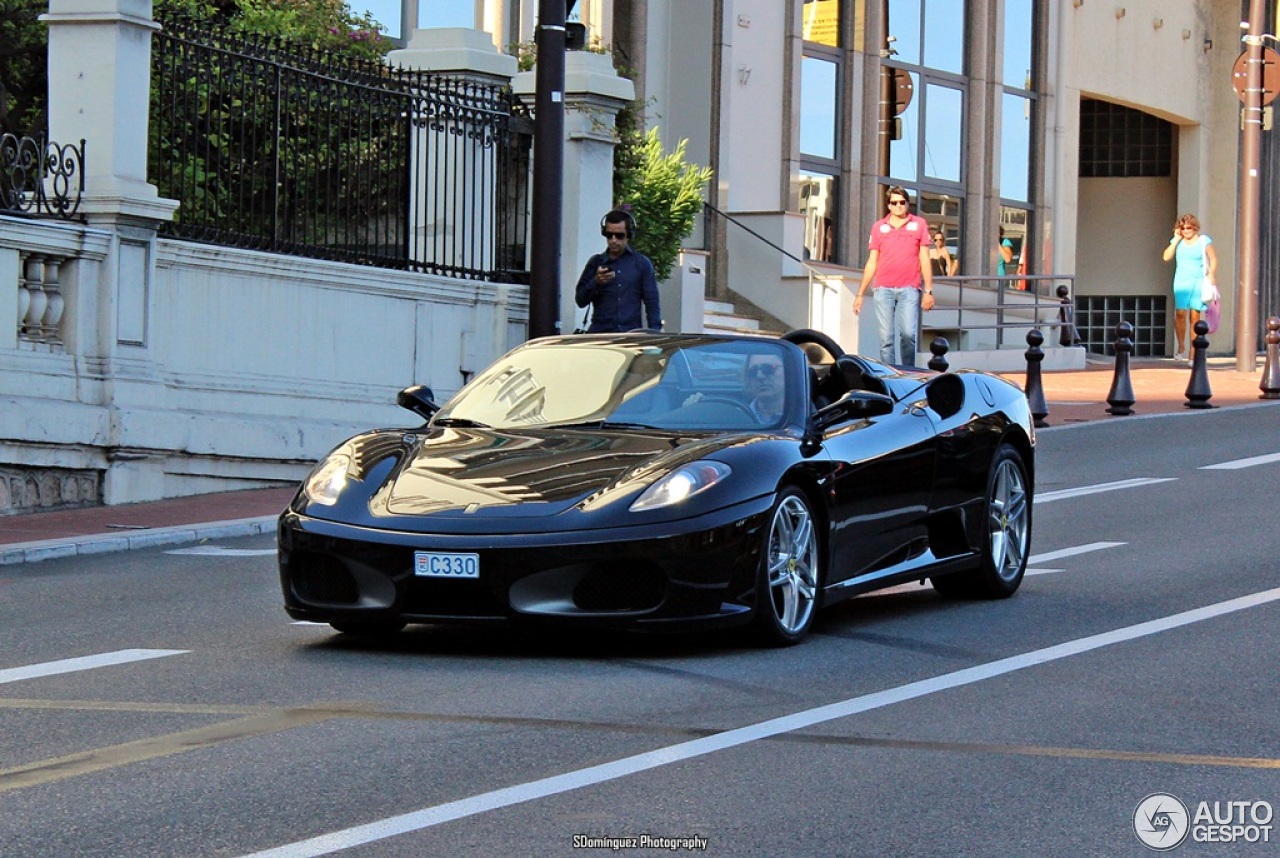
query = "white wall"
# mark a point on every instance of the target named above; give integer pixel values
(253, 365)
(1127, 226)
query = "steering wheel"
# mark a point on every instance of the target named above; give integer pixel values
(801, 336)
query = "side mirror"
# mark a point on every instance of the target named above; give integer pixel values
(419, 399)
(854, 404)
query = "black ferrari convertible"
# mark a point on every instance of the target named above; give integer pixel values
(664, 481)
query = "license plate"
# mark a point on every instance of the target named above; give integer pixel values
(435, 564)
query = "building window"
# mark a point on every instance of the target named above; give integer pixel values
(1118, 141)
(1018, 103)
(1098, 315)
(922, 109)
(818, 204)
(821, 22)
(818, 88)
(821, 138)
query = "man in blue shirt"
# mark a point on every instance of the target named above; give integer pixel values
(617, 282)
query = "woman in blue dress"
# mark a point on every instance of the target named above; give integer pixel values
(1195, 260)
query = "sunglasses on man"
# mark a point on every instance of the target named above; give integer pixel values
(763, 370)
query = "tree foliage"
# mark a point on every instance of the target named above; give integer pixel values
(325, 25)
(278, 151)
(662, 191)
(23, 78)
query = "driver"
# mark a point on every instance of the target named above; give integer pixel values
(764, 384)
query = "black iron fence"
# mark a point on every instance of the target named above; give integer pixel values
(40, 178)
(276, 148)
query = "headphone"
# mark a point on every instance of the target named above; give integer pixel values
(616, 215)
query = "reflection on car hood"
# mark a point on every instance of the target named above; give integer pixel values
(523, 472)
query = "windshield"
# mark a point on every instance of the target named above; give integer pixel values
(677, 383)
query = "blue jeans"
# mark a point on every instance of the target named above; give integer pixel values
(897, 311)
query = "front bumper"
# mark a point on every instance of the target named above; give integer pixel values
(696, 572)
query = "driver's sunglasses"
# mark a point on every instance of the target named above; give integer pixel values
(766, 370)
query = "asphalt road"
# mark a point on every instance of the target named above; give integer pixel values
(1138, 658)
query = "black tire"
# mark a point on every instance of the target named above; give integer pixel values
(370, 628)
(1007, 537)
(789, 579)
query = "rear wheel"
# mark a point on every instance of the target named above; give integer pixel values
(789, 577)
(1007, 538)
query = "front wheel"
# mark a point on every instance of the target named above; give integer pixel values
(1007, 539)
(789, 578)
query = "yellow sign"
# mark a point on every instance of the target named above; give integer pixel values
(822, 22)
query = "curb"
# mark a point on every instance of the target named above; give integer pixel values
(182, 534)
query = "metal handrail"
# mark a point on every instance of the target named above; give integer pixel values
(1041, 289)
(1040, 298)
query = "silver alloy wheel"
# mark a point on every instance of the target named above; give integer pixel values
(793, 565)
(1010, 513)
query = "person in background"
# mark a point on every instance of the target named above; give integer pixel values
(898, 263)
(618, 282)
(940, 258)
(1195, 262)
(1006, 254)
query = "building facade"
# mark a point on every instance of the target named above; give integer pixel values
(1083, 128)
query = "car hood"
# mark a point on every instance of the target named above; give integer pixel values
(464, 473)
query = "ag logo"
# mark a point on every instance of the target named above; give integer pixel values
(1160, 821)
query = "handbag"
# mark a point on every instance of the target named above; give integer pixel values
(586, 322)
(1213, 314)
(1209, 292)
(1209, 295)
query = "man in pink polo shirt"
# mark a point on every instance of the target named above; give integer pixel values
(899, 265)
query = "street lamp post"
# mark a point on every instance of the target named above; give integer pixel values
(548, 170)
(1250, 185)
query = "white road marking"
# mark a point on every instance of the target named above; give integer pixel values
(1042, 571)
(86, 662)
(220, 551)
(427, 817)
(1072, 552)
(1243, 463)
(1100, 487)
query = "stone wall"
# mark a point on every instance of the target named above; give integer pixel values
(43, 489)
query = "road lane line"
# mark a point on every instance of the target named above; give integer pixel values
(382, 829)
(1050, 556)
(85, 662)
(1243, 463)
(1062, 494)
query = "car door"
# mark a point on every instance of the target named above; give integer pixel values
(882, 479)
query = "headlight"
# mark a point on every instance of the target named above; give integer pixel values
(681, 484)
(328, 480)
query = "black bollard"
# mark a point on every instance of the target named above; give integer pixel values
(939, 347)
(1121, 396)
(1270, 384)
(1033, 387)
(1067, 333)
(1198, 392)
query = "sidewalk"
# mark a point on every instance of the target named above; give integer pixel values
(1073, 397)
(1159, 387)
